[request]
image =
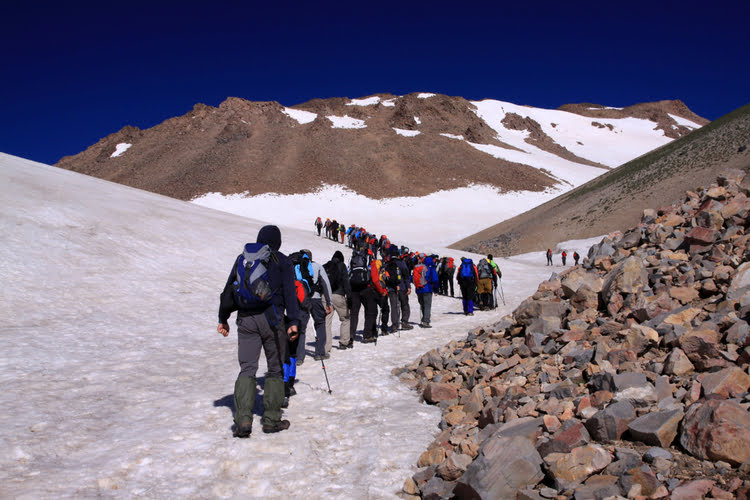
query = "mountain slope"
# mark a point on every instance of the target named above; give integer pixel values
(381, 146)
(616, 200)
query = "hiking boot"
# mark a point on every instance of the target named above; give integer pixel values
(384, 332)
(281, 425)
(318, 357)
(424, 324)
(368, 340)
(406, 326)
(327, 356)
(243, 430)
(285, 403)
(348, 345)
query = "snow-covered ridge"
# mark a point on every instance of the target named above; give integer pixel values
(684, 122)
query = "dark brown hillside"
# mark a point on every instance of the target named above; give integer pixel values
(615, 200)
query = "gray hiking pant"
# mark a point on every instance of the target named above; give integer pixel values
(403, 298)
(319, 321)
(425, 306)
(254, 333)
(339, 306)
(395, 308)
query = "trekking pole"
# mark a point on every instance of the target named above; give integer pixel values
(501, 290)
(326, 374)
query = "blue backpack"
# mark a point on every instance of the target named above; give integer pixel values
(251, 287)
(467, 269)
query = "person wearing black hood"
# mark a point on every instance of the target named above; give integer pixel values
(341, 297)
(268, 324)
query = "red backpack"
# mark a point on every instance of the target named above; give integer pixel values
(420, 276)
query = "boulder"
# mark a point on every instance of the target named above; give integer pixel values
(454, 466)
(629, 276)
(611, 423)
(717, 430)
(571, 469)
(579, 277)
(657, 428)
(729, 383)
(504, 466)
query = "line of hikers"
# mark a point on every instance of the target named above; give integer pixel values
(563, 257)
(275, 296)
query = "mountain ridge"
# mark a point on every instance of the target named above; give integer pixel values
(380, 146)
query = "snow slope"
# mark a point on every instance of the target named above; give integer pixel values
(116, 384)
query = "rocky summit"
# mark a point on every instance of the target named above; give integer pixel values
(623, 377)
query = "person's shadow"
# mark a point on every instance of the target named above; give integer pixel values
(228, 400)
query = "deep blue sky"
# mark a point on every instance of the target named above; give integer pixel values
(74, 72)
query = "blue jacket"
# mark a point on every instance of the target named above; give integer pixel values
(433, 282)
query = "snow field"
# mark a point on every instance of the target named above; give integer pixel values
(116, 383)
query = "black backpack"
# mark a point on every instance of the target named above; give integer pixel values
(334, 276)
(393, 275)
(358, 275)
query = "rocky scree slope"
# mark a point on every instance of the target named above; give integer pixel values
(613, 201)
(381, 146)
(626, 376)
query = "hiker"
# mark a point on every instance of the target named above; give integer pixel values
(363, 294)
(564, 256)
(341, 297)
(311, 272)
(467, 281)
(318, 225)
(549, 257)
(404, 289)
(261, 321)
(496, 276)
(576, 257)
(393, 280)
(426, 281)
(450, 271)
(334, 236)
(328, 228)
(378, 280)
(486, 274)
(442, 270)
(342, 232)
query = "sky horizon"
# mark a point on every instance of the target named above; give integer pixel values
(76, 73)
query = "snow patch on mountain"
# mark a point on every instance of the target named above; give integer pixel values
(120, 149)
(684, 122)
(368, 101)
(425, 95)
(630, 138)
(301, 116)
(346, 121)
(406, 133)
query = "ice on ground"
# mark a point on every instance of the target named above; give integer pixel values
(346, 121)
(120, 149)
(116, 384)
(301, 116)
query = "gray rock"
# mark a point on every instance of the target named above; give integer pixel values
(504, 466)
(657, 428)
(611, 423)
(654, 453)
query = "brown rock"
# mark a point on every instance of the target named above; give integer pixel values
(571, 469)
(729, 383)
(683, 294)
(437, 392)
(694, 490)
(629, 276)
(678, 363)
(454, 466)
(432, 456)
(717, 430)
